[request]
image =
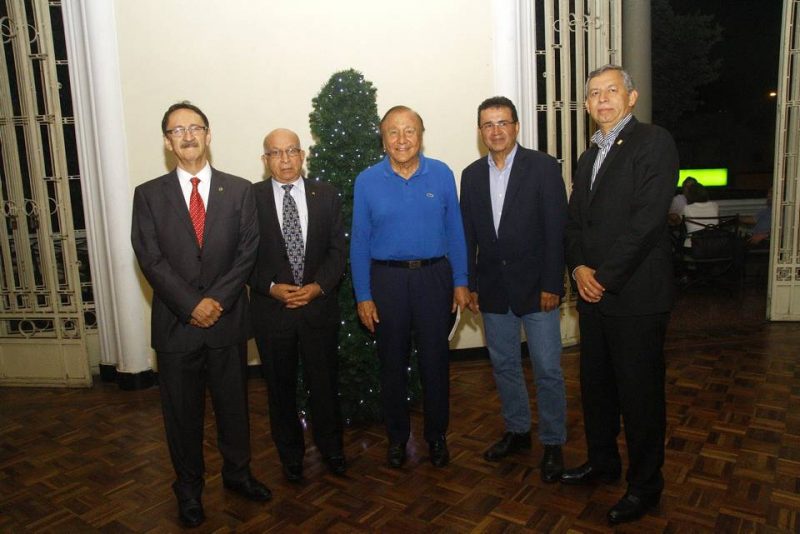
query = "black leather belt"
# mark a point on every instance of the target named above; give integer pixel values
(409, 264)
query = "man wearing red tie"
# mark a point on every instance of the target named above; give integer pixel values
(195, 235)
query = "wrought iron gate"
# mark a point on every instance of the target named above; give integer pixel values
(572, 38)
(47, 314)
(784, 282)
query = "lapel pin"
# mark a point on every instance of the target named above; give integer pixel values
(619, 142)
(220, 189)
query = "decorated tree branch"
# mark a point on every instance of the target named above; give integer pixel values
(345, 126)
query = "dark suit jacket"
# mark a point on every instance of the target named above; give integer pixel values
(619, 227)
(325, 259)
(511, 267)
(181, 274)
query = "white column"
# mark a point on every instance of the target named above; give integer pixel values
(505, 52)
(97, 96)
(636, 45)
(513, 56)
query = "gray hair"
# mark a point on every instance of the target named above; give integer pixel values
(626, 78)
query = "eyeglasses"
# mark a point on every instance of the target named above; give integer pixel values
(489, 126)
(292, 152)
(180, 131)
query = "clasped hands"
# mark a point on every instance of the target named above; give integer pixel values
(293, 296)
(206, 313)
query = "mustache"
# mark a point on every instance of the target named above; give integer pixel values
(187, 144)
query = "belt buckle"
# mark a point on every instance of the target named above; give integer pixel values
(415, 264)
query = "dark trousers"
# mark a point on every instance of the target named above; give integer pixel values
(280, 353)
(417, 300)
(622, 373)
(182, 380)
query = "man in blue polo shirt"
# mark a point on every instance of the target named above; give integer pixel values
(409, 264)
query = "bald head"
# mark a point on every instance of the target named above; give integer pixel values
(280, 135)
(283, 155)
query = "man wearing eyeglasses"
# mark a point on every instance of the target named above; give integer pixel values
(195, 236)
(293, 289)
(514, 207)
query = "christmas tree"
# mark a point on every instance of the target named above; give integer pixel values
(345, 125)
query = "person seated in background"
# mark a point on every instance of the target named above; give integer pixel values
(698, 205)
(762, 224)
(679, 202)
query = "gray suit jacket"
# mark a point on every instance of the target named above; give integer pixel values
(181, 273)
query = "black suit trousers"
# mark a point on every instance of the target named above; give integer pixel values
(182, 380)
(418, 301)
(622, 374)
(280, 353)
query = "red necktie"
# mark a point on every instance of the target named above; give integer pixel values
(197, 211)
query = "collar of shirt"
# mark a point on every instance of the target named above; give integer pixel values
(389, 171)
(508, 162)
(298, 189)
(203, 187)
(605, 141)
(298, 193)
(498, 183)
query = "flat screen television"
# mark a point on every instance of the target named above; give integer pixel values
(707, 177)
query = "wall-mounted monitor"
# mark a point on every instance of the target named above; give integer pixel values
(707, 177)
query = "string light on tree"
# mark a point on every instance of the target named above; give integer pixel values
(344, 124)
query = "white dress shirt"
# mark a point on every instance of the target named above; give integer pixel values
(203, 187)
(298, 193)
(498, 183)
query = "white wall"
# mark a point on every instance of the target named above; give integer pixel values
(255, 65)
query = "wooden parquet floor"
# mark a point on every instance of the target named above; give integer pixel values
(96, 460)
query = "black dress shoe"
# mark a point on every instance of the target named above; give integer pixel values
(396, 455)
(190, 512)
(586, 474)
(293, 472)
(336, 464)
(250, 489)
(552, 463)
(630, 508)
(511, 442)
(440, 456)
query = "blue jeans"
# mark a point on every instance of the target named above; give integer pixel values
(544, 346)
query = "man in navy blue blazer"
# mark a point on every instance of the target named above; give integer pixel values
(514, 207)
